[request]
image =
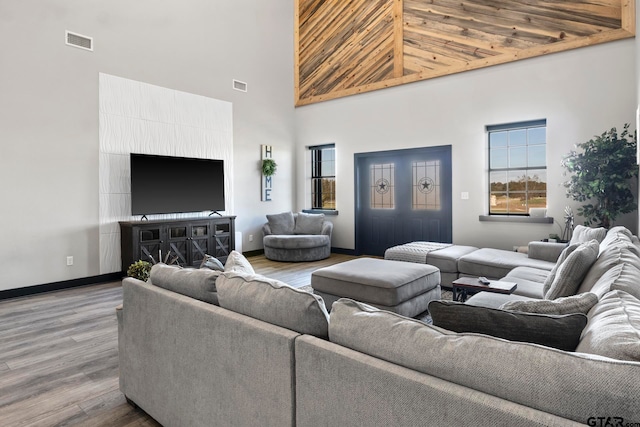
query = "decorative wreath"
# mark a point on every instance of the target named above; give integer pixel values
(269, 167)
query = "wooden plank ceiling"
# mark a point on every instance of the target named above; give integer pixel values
(345, 47)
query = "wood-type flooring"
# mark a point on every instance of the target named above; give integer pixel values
(59, 353)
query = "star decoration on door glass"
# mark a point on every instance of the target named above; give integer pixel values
(382, 186)
(426, 185)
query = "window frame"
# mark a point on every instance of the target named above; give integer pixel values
(526, 125)
(317, 176)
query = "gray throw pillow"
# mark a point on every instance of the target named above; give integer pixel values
(238, 263)
(582, 234)
(614, 328)
(308, 223)
(274, 302)
(561, 332)
(212, 263)
(571, 272)
(281, 223)
(562, 258)
(199, 284)
(581, 303)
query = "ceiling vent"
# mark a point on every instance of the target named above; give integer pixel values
(78, 40)
(238, 85)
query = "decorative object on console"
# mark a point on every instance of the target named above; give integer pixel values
(602, 173)
(212, 263)
(139, 270)
(558, 331)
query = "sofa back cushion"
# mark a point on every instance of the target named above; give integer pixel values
(614, 328)
(282, 223)
(570, 385)
(582, 234)
(308, 223)
(274, 302)
(618, 253)
(558, 331)
(195, 283)
(570, 273)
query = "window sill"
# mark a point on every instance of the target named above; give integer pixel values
(526, 219)
(328, 212)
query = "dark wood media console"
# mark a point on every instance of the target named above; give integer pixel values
(187, 239)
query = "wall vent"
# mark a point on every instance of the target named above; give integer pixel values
(238, 85)
(78, 40)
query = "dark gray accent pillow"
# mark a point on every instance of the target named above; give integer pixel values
(308, 223)
(561, 332)
(212, 263)
(199, 284)
(281, 223)
(580, 303)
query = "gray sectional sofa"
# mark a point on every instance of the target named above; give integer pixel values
(270, 355)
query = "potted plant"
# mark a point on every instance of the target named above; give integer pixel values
(600, 173)
(139, 270)
(269, 167)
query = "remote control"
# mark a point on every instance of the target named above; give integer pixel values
(484, 280)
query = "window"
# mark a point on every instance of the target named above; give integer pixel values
(517, 167)
(323, 177)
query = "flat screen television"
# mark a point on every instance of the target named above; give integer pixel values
(164, 184)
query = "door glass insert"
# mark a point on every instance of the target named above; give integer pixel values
(426, 185)
(382, 186)
(199, 231)
(178, 232)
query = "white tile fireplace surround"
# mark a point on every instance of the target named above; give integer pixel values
(137, 117)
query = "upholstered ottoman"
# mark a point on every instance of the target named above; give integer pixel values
(402, 287)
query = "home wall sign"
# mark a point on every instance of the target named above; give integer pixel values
(267, 181)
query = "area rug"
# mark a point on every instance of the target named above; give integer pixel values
(423, 317)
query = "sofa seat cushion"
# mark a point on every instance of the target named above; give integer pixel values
(530, 274)
(494, 300)
(572, 385)
(614, 328)
(274, 302)
(557, 331)
(376, 281)
(199, 284)
(296, 241)
(446, 259)
(581, 303)
(496, 263)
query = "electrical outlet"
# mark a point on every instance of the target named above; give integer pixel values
(464, 195)
(251, 237)
(69, 260)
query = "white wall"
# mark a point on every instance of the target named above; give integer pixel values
(581, 93)
(49, 111)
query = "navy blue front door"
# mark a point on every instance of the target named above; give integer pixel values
(402, 196)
